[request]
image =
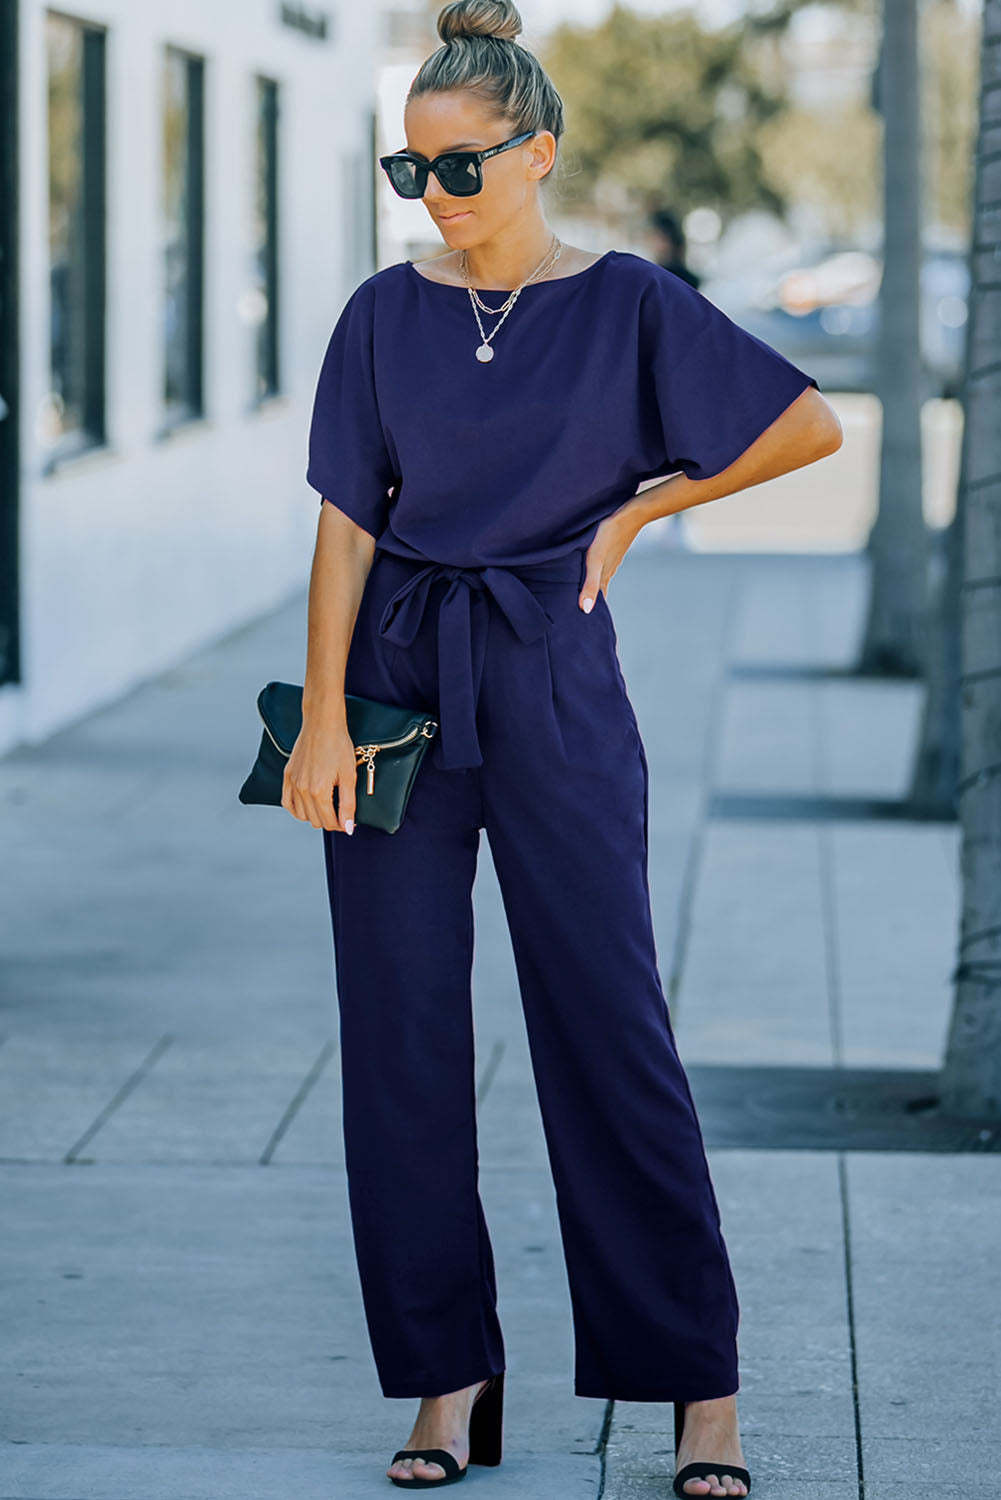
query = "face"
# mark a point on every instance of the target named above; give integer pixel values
(447, 122)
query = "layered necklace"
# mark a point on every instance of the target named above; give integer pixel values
(485, 352)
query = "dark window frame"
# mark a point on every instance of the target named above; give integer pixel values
(10, 606)
(267, 166)
(91, 239)
(190, 406)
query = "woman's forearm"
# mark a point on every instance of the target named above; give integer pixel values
(341, 563)
(807, 430)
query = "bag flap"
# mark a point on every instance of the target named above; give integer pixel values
(369, 722)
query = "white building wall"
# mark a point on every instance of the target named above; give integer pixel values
(135, 555)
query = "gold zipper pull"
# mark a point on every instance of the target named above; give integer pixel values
(367, 754)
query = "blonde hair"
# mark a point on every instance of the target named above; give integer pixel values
(481, 56)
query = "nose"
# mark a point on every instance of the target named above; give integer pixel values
(437, 194)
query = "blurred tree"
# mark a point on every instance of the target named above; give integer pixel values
(827, 158)
(950, 59)
(828, 154)
(952, 35)
(657, 105)
(660, 108)
(971, 1073)
(925, 69)
(895, 635)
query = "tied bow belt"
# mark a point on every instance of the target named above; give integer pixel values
(462, 632)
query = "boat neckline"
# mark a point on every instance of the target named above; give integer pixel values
(505, 290)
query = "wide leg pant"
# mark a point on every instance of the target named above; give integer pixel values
(562, 795)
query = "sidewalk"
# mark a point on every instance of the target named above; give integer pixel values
(177, 1284)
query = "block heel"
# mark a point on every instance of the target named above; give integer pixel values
(486, 1423)
(485, 1440)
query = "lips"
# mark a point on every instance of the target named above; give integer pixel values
(462, 214)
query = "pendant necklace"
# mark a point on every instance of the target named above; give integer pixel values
(484, 352)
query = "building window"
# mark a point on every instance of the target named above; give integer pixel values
(183, 231)
(10, 348)
(265, 290)
(75, 411)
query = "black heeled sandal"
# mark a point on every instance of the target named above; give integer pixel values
(701, 1468)
(486, 1422)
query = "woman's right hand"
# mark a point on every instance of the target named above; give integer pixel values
(322, 758)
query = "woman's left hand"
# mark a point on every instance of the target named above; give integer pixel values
(611, 542)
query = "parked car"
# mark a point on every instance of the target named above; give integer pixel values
(825, 316)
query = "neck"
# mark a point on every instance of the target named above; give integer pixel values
(509, 266)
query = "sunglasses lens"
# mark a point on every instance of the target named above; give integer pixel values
(403, 176)
(458, 175)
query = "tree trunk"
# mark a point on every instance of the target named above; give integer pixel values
(895, 639)
(971, 1072)
(936, 768)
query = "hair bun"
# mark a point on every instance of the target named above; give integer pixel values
(471, 18)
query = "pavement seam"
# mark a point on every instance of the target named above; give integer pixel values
(296, 1102)
(131, 1083)
(490, 1068)
(850, 1314)
(601, 1446)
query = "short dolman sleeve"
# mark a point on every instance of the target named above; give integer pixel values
(349, 463)
(716, 386)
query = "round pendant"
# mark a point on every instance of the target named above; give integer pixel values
(484, 353)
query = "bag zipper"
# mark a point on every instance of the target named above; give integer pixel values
(365, 753)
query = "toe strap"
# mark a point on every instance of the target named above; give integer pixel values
(441, 1456)
(701, 1468)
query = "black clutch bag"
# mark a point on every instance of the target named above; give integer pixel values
(390, 742)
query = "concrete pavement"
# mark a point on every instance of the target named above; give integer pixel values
(178, 1295)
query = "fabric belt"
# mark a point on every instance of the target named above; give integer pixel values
(462, 632)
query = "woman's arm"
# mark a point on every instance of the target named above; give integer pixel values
(323, 755)
(808, 429)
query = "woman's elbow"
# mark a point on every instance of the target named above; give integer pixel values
(824, 429)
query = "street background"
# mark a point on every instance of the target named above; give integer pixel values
(188, 195)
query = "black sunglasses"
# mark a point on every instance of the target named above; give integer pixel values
(459, 172)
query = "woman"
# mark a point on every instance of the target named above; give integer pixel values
(481, 424)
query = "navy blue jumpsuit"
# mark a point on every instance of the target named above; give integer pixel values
(483, 484)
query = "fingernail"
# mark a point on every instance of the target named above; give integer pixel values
(349, 824)
(587, 606)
